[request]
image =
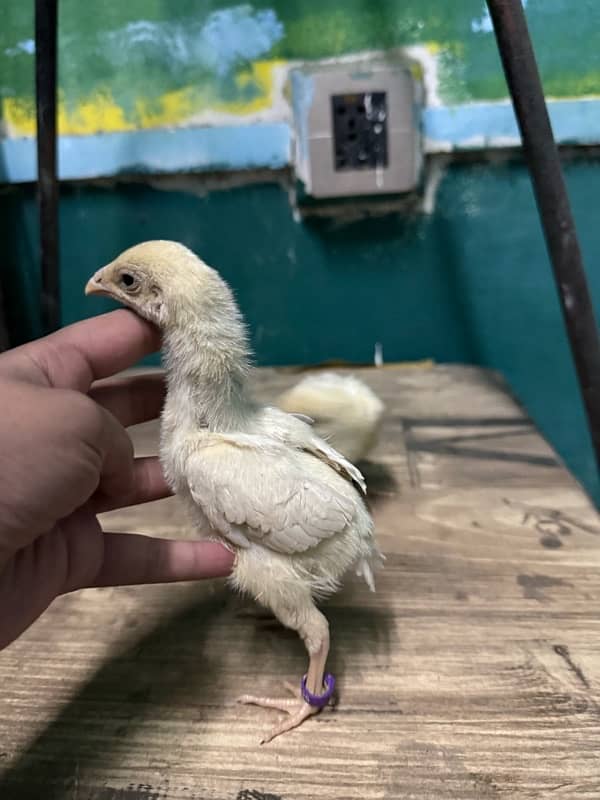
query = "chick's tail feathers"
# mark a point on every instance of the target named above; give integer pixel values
(366, 566)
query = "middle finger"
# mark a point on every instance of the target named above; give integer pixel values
(132, 398)
(148, 484)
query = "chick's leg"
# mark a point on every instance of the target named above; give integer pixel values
(314, 630)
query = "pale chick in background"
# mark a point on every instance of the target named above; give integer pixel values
(252, 476)
(344, 410)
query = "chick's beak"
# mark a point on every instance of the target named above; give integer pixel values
(97, 284)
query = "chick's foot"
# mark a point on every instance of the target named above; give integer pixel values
(296, 706)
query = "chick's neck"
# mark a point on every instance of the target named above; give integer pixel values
(206, 361)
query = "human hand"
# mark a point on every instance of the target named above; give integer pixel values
(65, 456)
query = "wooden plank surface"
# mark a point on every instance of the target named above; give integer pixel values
(474, 672)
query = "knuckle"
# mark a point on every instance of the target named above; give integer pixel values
(85, 415)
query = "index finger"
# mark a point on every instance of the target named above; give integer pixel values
(76, 356)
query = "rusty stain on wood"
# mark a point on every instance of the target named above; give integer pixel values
(474, 672)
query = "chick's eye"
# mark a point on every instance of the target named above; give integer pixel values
(128, 281)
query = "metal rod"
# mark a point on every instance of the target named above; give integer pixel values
(48, 195)
(540, 150)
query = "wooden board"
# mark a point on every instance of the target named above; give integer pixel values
(474, 672)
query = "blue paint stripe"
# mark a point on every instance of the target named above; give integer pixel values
(491, 125)
(235, 147)
(268, 145)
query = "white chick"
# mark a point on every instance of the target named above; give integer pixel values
(345, 411)
(257, 478)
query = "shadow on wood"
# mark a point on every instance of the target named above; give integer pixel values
(169, 667)
(380, 479)
(168, 671)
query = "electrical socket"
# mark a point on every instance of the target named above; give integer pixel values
(357, 127)
(360, 139)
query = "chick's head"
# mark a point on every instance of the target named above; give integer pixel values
(159, 280)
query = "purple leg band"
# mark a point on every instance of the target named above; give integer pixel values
(319, 700)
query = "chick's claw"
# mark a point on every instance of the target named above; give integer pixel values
(279, 703)
(297, 710)
(283, 704)
(296, 718)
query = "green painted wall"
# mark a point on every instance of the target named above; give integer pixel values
(470, 283)
(314, 29)
(159, 62)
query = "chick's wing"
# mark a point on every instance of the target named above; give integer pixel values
(254, 490)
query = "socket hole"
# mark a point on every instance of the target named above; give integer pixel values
(360, 135)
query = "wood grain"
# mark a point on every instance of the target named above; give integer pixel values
(474, 672)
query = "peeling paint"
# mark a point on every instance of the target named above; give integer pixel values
(434, 173)
(303, 94)
(26, 46)
(227, 37)
(228, 46)
(100, 113)
(427, 56)
(229, 66)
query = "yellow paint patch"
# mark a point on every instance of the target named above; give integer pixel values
(94, 115)
(100, 113)
(171, 108)
(18, 116)
(260, 75)
(416, 70)
(434, 48)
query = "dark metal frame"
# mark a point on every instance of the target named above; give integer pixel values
(541, 153)
(48, 193)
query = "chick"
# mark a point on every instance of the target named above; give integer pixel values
(345, 411)
(255, 477)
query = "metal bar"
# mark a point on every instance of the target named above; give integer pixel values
(48, 195)
(540, 150)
